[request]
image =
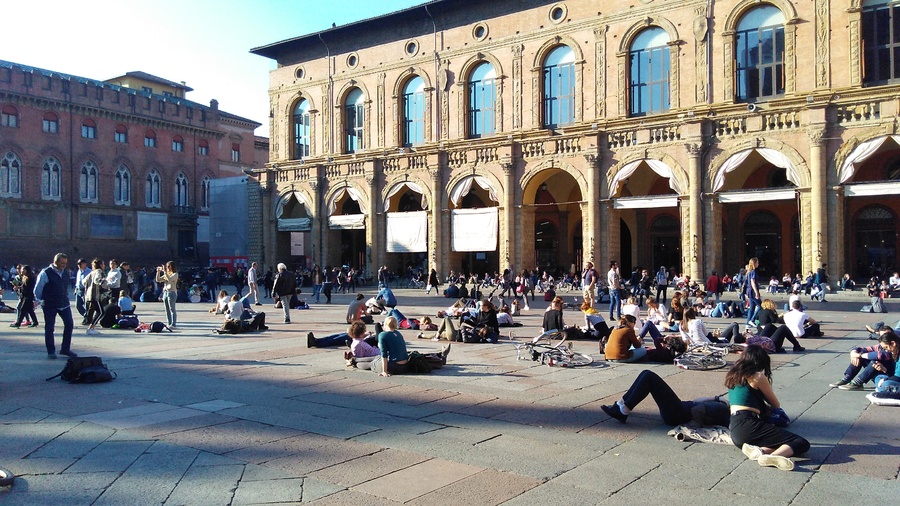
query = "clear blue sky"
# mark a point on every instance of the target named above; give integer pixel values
(203, 42)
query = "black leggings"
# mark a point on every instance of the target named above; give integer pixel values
(778, 335)
(26, 308)
(93, 312)
(673, 410)
(747, 427)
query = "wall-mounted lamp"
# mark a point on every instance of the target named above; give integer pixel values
(543, 187)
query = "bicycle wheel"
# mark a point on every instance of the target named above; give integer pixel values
(572, 359)
(700, 362)
(551, 339)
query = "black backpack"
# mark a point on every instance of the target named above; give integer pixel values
(85, 370)
(157, 327)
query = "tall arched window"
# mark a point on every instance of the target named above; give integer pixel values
(89, 181)
(760, 54)
(881, 41)
(649, 63)
(413, 120)
(10, 175)
(559, 87)
(50, 123)
(354, 120)
(9, 116)
(122, 188)
(482, 96)
(89, 129)
(51, 179)
(152, 193)
(181, 191)
(301, 130)
(204, 197)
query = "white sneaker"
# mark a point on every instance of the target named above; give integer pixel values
(783, 463)
(92, 332)
(752, 452)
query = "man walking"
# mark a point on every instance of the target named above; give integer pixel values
(283, 289)
(822, 282)
(589, 280)
(614, 281)
(83, 271)
(51, 291)
(253, 282)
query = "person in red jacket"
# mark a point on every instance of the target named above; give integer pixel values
(714, 285)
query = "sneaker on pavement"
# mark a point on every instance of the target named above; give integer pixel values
(613, 411)
(851, 386)
(783, 463)
(33, 325)
(310, 340)
(92, 332)
(752, 452)
(839, 383)
(68, 353)
(51, 356)
(799, 349)
(445, 351)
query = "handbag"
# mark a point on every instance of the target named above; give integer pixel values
(85, 370)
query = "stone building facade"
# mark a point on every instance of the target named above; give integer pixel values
(693, 134)
(113, 169)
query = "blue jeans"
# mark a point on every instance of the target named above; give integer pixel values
(50, 324)
(754, 308)
(615, 302)
(339, 339)
(650, 328)
(169, 297)
(637, 354)
(317, 290)
(868, 371)
(79, 302)
(885, 383)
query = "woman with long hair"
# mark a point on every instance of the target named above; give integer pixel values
(26, 298)
(168, 276)
(751, 396)
(623, 344)
(93, 288)
(753, 293)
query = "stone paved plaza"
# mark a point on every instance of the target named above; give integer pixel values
(196, 418)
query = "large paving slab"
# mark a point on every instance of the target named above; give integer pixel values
(197, 418)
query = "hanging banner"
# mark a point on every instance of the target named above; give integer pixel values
(407, 232)
(475, 229)
(347, 222)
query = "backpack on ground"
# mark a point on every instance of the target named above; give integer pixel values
(231, 326)
(128, 322)
(85, 370)
(157, 327)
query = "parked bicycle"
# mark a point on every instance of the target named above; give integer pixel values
(550, 348)
(705, 357)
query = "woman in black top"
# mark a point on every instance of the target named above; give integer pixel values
(26, 298)
(487, 320)
(769, 322)
(553, 319)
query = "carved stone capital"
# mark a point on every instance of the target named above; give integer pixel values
(816, 136)
(693, 148)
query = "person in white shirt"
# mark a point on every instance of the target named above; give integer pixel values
(114, 279)
(613, 281)
(697, 334)
(83, 271)
(800, 323)
(631, 307)
(253, 283)
(894, 281)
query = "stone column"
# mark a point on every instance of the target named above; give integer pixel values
(439, 221)
(376, 225)
(818, 218)
(508, 237)
(591, 221)
(319, 224)
(695, 229)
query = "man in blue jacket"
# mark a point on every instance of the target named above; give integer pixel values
(51, 292)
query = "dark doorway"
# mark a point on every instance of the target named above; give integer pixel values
(665, 243)
(762, 239)
(625, 262)
(186, 244)
(875, 248)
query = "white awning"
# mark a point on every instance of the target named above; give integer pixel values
(861, 153)
(347, 222)
(279, 208)
(463, 187)
(407, 232)
(474, 229)
(349, 190)
(757, 195)
(655, 202)
(656, 165)
(872, 189)
(774, 157)
(294, 224)
(406, 184)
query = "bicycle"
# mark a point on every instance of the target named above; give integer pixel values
(703, 357)
(550, 348)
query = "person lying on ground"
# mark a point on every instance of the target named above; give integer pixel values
(665, 349)
(868, 362)
(750, 394)
(706, 411)
(878, 328)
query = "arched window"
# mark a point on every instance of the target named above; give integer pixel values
(88, 183)
(10, 175)
(51, 179)
(204, 197)
(150, 139)
(152, 194)
(121, 135)
(9, 116)
(178, 144)
(181, 191)
(881, 41)
(301, 130)
(50, 123)
(649, 63)
(413, 120)
(122, 190)
(89, 129)
(559, 87)
(482, 96)
(203, 147)
(760, 54)
(235, 151)
(354, 120)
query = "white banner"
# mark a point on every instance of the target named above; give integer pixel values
(347, 222)
(152, 226)
(407, 232)
(297, 243)
(475, 229)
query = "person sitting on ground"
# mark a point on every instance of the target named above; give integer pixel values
(504, 317)
(4, 308)
(750, 394)
(693, 331)
(127, 304)
(773, 285)
(730, 309)
(631, 307)
(801, 324)
(238, 308)
(676, 312)
(623, 345)
(486, 323)
(395, 358)
(847, 283)
(665, 349)
(868, 362)
(222, 300)
(705, 410)
(768, 324)
(111, 314)
(356, 310)
(362, 352)
(593, 320)
(878, 328)
(149, 295)
(553, 317)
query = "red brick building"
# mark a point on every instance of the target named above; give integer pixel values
(117, 168)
